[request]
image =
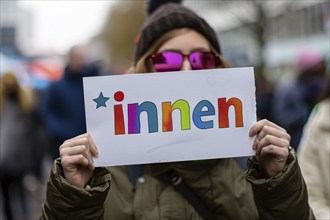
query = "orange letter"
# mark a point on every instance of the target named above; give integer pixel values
(223, 107)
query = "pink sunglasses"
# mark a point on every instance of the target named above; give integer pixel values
(172, 60)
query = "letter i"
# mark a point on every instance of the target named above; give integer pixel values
(118, 114)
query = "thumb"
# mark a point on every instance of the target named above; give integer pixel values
(93, 147)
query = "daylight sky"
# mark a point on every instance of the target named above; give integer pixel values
(57, 25)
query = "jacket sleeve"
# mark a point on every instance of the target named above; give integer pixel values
(65, 201)
(283, 196)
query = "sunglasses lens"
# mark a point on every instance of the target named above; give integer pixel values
(202, 60)
(167, 61)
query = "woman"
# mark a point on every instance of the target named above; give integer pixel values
(16, 151)
(175, 38)
(314, 157)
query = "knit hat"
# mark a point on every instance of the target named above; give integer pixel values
(166, 15)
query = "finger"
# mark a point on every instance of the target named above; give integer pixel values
(76, 137)
(88, 138)
(70, 151)
(74, 161)
(74, 143)
(272, 140)
(255, 143)
(281, 153)
(93, 146)
(269, 130)
(256, 128)
(78, 148)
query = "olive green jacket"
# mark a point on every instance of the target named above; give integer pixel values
(220, 185)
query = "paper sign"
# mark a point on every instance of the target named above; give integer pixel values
(172, 116)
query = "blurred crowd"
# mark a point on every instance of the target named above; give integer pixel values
(33, 125)
(35, 122)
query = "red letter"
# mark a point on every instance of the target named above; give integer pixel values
(223, 107)
(118, 114)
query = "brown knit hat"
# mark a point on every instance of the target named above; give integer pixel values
(167, 17)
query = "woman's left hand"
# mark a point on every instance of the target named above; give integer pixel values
(271, 145)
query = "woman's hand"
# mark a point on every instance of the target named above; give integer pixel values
(77, 159)
(271, 145)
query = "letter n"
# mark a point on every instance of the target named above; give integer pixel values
(223, 108)
(184, 108)
(134, 111)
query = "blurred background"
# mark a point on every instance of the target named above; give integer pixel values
(43, 42)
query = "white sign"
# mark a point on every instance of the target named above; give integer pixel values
(172, 116)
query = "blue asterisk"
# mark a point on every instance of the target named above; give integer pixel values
(100, 101)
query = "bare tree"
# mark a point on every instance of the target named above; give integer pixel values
(263, 12)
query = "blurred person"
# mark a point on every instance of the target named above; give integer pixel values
(63, 109)
(264, 95)
(293, 101)
(19, 153)
(273, 187)
(314, 157)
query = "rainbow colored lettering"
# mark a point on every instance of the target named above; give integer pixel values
(203, 108)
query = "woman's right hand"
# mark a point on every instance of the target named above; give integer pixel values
(77, 159)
